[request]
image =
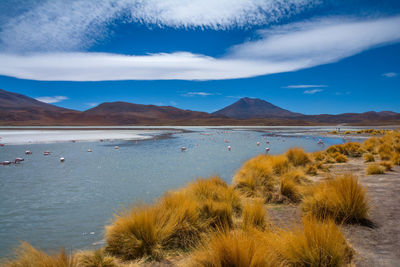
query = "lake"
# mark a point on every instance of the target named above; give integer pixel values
(51, 203)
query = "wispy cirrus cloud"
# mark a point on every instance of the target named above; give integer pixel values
(313, 91)
(199, 94)
(51, 99)
(279, 49)
(303, 86)
(64, 25)
(390, 74)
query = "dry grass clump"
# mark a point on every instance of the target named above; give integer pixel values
(375, 169)
(339, 158)
(214, 189)
(95, 258)
(316, 243)
(388, 165)
(342, 199)
(27, 256)
(143, 231)
(290, 189)
(254, 215)
(280, 164)
(318, 156)
(368, 157)
(350, 149)
(371, 144)
(256, 177)
(298, 157)
(234, 249)
(396, 159)
(385, 151)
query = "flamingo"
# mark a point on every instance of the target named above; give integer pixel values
(89, 150)
(62, 159)
(18, 160)
(116, 147)
(46, 153)
(258, 143)
(266, 149)
(28, 152)
(183, 149)
(229, 148)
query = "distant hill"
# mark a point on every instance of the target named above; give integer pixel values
(129, 113)
(250, 108)
(17, 109)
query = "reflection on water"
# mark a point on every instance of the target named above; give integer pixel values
(52, 204)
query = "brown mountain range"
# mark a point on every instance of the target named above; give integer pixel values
(17, 109)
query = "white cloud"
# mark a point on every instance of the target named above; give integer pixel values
(390, 74)
(302, 86)
(91, 104)
(313, 91)
(199, 94)
(51, 99)
(281, 49)
(60, 25)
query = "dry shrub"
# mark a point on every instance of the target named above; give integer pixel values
(396, 159)
(280, 164)
(319, 156)
(234, 249)
(388, 165)
(95, 258)
(339, 158)
(298, 157)
(27, 256)
(371, 144)
(290, 189)
(214, 189)
(342, 199)
(143, 231)
(368, 157)
(317, 243)
(255, 177)
(296, 175)
(254, 214)
(216, 214)
(375, 169)
(385, 151)
(312, 169)
(350, 149)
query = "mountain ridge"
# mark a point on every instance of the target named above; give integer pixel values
(18, 109)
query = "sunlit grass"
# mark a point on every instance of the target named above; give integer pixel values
(375, 168)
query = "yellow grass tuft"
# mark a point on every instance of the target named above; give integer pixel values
(297, 156)
(234, 249)
(290, 189)
(375, 169)
(216, 214)
(254, 214)
(280, 164)
(342, 199)
(317, 243)
(388, 165)
(27, 256)
(255, 177)
(385, 151)
(142, 231)
(339, 158)
(95, 258)
(368, 157)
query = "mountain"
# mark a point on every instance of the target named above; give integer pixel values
(246, 108)
(17, 109)
(129, 113)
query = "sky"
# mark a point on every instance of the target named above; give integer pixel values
(308, 56)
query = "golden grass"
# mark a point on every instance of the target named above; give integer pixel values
(342, 199)
(280, 164)
(143, 231)
(233, 249)
(290, 189)
(375, 168)
(255, 177)
(95, 258)
(388, 165)
(396, 159)
(316, 243)
(339, 158)
(298, 157)
(254, 215)
(385, 151)
(27, 256)
(368, 157)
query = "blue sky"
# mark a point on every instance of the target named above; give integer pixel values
(307, 56)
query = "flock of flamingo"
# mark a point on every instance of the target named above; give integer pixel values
(183, 148)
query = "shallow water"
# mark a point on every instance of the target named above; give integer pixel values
(53, 204)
